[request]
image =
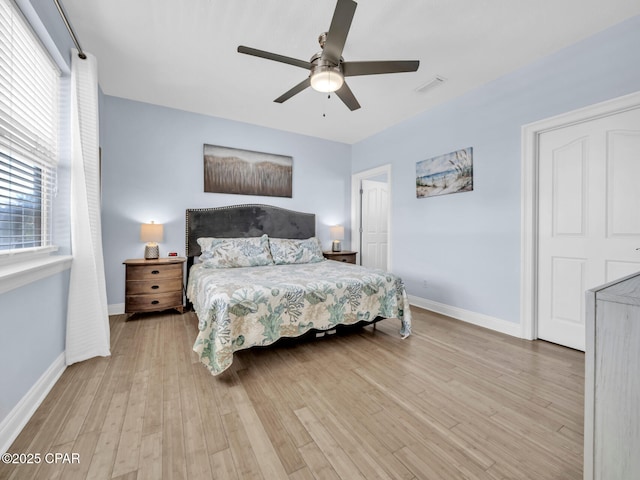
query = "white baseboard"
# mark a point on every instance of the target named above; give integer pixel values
(468, 316)
(115, 309)
(12, 424)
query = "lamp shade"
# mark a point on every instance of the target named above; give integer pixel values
(337, 232)
(151, 232)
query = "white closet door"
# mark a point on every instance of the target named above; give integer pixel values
(589, 218)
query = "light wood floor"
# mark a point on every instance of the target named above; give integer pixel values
(452, 401)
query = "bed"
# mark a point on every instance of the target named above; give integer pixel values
(256, 275)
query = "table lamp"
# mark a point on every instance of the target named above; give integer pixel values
(337, 234)
(151, 233)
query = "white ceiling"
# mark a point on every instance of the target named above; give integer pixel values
(182, 53)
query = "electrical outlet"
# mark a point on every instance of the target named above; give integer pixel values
(425, 284)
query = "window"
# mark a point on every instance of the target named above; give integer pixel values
(29, 118)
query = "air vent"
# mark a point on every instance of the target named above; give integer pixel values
(434, 82)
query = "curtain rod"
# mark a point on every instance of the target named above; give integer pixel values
(81, 54)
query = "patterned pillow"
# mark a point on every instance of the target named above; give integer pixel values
(235, 252)
(286, 251)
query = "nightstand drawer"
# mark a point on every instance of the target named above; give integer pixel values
(154, 272)
(345, 256)
(154, 285)
(151, 303)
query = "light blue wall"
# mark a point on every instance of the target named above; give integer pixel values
(466, 246)
(33, 317)
(152, 169)
(33, 336)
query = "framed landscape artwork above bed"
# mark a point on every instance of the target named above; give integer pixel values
(236, 171)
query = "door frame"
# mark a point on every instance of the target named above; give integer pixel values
(356, 208)
(529, 197)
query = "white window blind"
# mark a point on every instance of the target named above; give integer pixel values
(29, 118)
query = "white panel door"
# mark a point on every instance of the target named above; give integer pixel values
(375, 219)
(589, 218)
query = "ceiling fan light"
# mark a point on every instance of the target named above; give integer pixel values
(326, 79)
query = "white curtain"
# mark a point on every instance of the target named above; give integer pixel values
(87, 316)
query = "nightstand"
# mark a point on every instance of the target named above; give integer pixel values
(343, 256)
(154, 285)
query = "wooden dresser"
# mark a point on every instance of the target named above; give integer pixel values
(154, 285)
(343, 256)
(612, 381)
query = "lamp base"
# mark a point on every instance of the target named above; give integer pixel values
(336, 246)
(151, 252)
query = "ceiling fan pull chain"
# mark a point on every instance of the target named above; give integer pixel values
(325, 104)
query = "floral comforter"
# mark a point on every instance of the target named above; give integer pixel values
(239, 308)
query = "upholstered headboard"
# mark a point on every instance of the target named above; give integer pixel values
(244, 221)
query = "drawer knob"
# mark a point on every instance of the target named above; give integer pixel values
(344, 259)
(155, 272)
(155, 287)
(155, 302)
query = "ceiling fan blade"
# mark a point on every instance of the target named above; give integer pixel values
(338, 31)
(346, 95)
(352, 69)
(274, 56)
(295, 90)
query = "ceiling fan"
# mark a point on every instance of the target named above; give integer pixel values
(327, 68)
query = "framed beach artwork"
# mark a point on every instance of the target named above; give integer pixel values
(444, 174)
(244, 172)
